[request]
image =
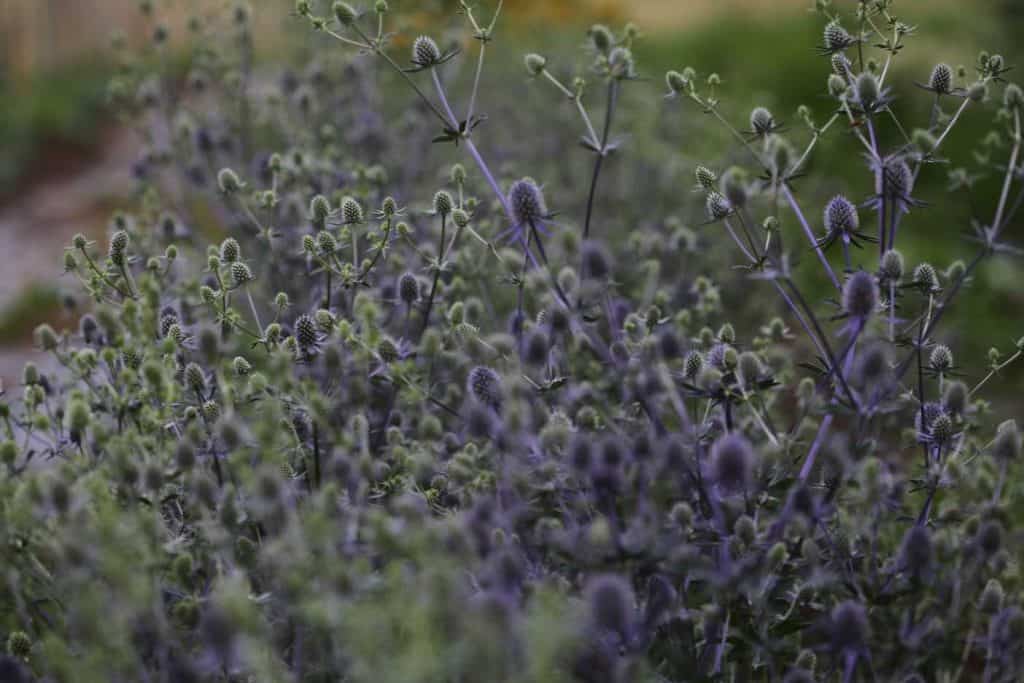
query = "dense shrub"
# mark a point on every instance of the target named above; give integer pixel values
(339, 414)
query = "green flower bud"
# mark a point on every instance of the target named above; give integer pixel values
(241, 366)
(46, 338)
(30, 374)
(1013, 97)
(19, 645)
(535, 64)
(351, 211)
(460, 218)
(78, 416)
(991, 600)
(443, 203)
(601, 37)
(344, 13)
(8, 452)
(230, 251)
(676, 82)
(229, 182)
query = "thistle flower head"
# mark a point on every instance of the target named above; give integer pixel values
(344, 13)
(676, 82)
(195, 378)
(732, 462)
(537, 347)
(241, 274)
(837, 86)
(873, 367)
(118, 242)
(425, 52)
(597, 263)
(306, 334)
(45, 338)
(717, 356)
(926, 279)
(734, 186)
(841, 216)
(860, 295)
(990, 537)
(527, 202)
(991, 600)
(1006, 447)
(840, 65)
(942, 428)
(717, 207)
(749, 370)
(926, 416)
(535, 64)
(460, 218)
(443, 203)
(836, 38)
(319, 210)
(326, 244)
(601, 37)
(868, 90)
(484, 385)
(241, 366)
(955, 398)
(668, 345)
(692, 365)
(351, 211)
(19, 644)
(458, 174)
(941, 358)
(891, 269)
(408, 289)
(230, 251)
(1013, 97)
(229, 182)
(762, 122)
(916, 549)
(612, 604)
(941, 79)
(706, 178)
(780, 155)
(898, 179)
(621, 63)
(849, 626)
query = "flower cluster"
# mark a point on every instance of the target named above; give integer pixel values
(324, 420)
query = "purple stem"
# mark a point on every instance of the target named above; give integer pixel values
(819, 438)
(736, 239)
(810, 235)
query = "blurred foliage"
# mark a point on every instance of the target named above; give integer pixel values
(53, 115)
(36, 304)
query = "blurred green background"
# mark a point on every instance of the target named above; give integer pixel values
(65, 163)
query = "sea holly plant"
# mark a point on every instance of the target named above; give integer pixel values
(337, 409)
